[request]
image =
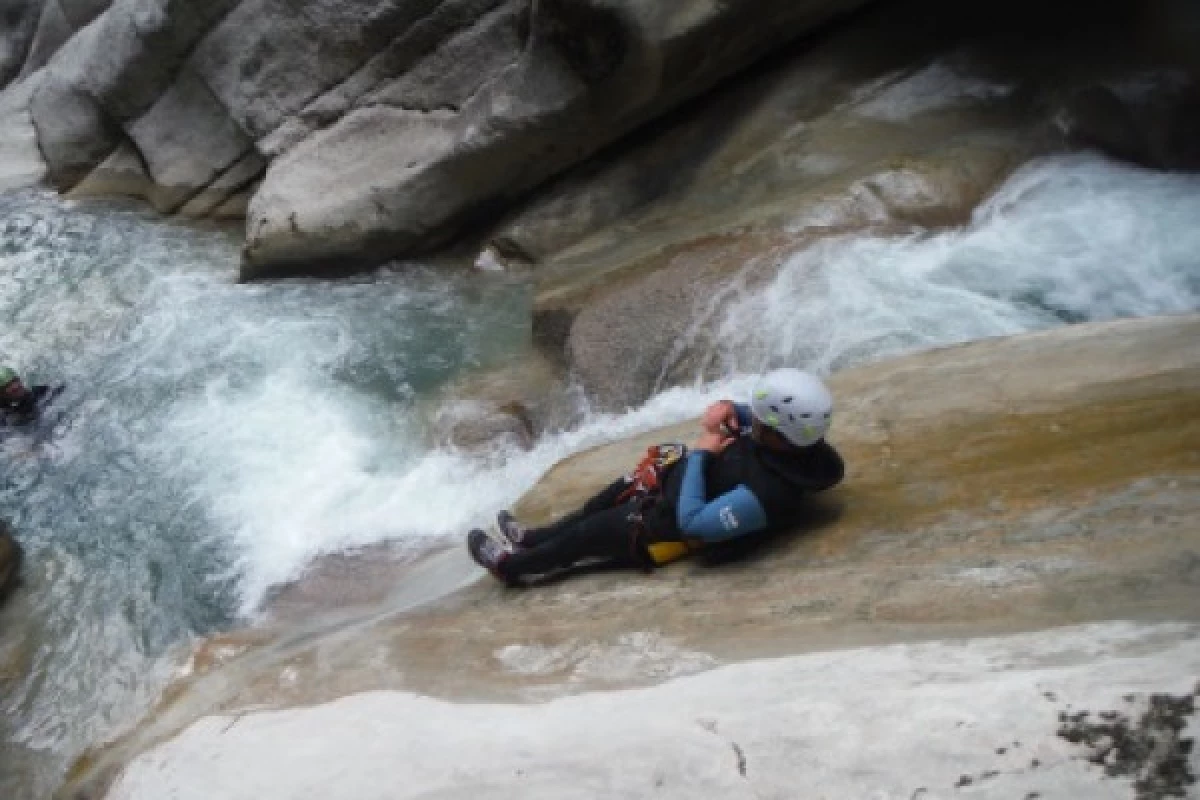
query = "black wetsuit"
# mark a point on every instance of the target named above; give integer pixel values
(25, 409)
(619, 534)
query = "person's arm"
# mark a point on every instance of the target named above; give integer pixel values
(735, 513)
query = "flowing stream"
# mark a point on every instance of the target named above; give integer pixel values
(213, 438)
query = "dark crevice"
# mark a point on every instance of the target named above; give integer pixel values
(741, 758)
(227, 192)
(445, 109)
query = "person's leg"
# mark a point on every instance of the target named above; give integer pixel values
(607, 534)
(605, 499)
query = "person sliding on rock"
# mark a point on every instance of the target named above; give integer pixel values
(20, 404)
(748, 472)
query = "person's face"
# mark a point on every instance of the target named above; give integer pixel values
(13, 390)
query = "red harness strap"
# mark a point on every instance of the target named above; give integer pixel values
(646, 478)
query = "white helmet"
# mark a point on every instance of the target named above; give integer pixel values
(795, 403)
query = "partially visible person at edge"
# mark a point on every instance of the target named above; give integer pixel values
(21, 404)
(10, 561)
(747, 473)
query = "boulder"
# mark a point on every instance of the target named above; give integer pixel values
(123, 173)
(115, 70)
(508, 406)
(388, 126)
(228, 195)
(18, 23)
(650, 325)
(10, 562)
(187, 141)
(356, 131)
(21, 163)
(408, 174)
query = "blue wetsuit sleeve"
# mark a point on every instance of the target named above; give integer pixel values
(743, 416)
(733, 514)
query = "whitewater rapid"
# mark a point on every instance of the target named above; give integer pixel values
(214, 437)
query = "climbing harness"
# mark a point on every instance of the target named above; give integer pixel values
(646, 486)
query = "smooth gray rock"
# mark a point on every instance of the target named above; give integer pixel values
(381, 182)
(417, 41)
(51, 32)
(123, 173)
(113, 72)
(446, 78)
(187, 141)
(74, 134)
(267, 59)
(225, 188)
(389, 125)
(18, 24)
(51, 24)
(21, 163)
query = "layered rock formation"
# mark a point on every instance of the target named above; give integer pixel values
(351, 132)
(387, 125)
(1008, 484)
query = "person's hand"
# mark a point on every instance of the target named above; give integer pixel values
(720, 415)
(713, 442)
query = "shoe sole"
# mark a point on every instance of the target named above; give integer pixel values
(475, 534)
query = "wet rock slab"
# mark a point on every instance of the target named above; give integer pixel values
(1010, 484)
(932, 720)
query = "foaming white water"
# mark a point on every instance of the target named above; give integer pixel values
(298, 470)
(1065, 239)
(290, 432)
(279, 467)
(211, 438)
